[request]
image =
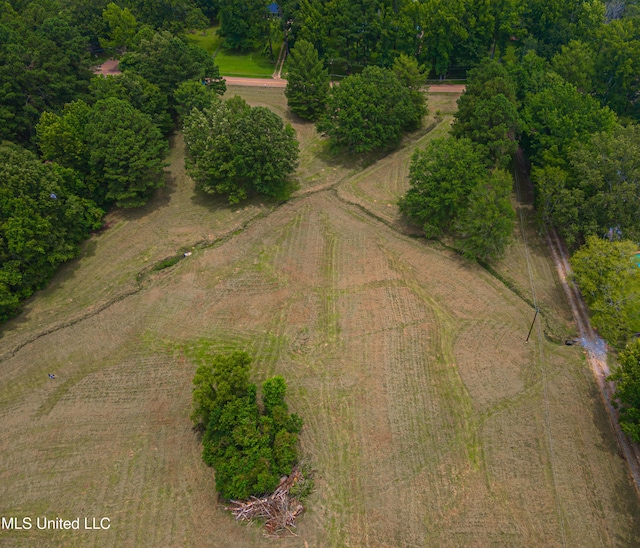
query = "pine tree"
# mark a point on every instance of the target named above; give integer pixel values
(308, 81)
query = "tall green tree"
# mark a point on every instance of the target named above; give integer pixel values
(192, 94)
(617, 66)
(370, 111)
(560, 116)
(166, 61)
(126, 152)
(442, 177)
(243, 23)
(596, 189)
(488, 111)
(609, 279)
(576, 64)
(43, 65)
(42, 222)
(307, 87)
(135, 89)
(627, 379)
(234, 149)
(249, 449)
(485, 228)
(123, 28)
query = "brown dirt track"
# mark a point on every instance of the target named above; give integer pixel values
(424, 410)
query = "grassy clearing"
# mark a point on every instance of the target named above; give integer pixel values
(251, 64)
(207, 39)
(427, 417)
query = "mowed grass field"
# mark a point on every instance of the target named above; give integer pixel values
(250, 64)
(428, 419)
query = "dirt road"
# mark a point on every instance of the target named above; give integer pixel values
(281, 82)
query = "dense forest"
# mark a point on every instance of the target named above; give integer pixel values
(560, 79)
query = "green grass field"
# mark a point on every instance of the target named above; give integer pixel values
(207, 39)
(428, 419)
(250, 64)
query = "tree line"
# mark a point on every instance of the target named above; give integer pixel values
(75, 144)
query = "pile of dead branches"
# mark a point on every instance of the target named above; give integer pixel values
(278, 510)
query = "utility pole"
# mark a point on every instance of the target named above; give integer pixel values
(534, 321)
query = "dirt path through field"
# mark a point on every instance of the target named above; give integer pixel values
(595, 346)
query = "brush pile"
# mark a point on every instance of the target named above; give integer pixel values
(278, 510)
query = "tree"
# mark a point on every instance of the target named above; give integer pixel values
(409, 72)
(596, 189)
(610, 282)
(61, 138)
(249, 449)
(123, 28)
(558, 117)
(166, 61)
(486, 226)
(617, 66)
(606, 169)
(43, 65)
(234, 149)
(369, 111)
(441, 178)
(576, 64)
(126, 151)
(135, 89)
(42, 222)
(627, 377)
(487, 111)
(243, 23)
(307, 81)
(192, 94)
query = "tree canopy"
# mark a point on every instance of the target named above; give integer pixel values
(117, 148)
(249, 447)
(166, 61)
(307, 81)
(627, 378)
(234, 149)
(42, 222)
(370, 110)
(609, 280)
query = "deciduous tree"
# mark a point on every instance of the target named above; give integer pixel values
(235, 149)
(369, 111)
(627, 378)
(609, 279)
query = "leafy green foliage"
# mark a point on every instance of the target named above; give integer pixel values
(243, 23)
(487, 111)
(370, 111)
(610, 283)
(441, 178)
(627, 377)
(193, 94)
(42, 221)
(558, 117)
(485, 228)
(126, 152)
(142, 94)
(617, 66)
(576, 64)
(235, 149)
(597, 189)
(116, 147)
(307, 81)
(123, 28)
(249, 449)
(166, 61)
(43, 65)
